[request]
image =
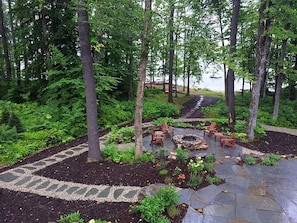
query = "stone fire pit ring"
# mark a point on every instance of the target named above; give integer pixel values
(190, 141)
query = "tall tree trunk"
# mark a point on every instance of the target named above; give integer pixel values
(15, 59)
(5, 45)
(141, 77)
(262, 49)
(171, 52)
(230, 74)
(94, 153)
(279, 82)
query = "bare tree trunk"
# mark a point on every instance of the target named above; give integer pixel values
(230, 74)
(94, 153)
(263, 45)
(171, 52)
(5, 45)
(279, 82)
(141, 77)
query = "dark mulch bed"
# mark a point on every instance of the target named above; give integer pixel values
(27, 207)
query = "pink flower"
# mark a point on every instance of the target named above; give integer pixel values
(158, 165)
(181, 177)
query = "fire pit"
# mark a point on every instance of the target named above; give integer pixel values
(190, 141)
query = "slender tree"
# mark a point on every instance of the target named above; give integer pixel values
(4, 43)
(262, 49)
(141, 77)
(230, 74)
(94, 153)
(171, 50)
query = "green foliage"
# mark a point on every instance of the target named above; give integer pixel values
(208, 166)
(11, 119)
(250, 160)
(121, 136)
(220, 121)
(5, 116)
(274, 157)
(173, 211)
(213, 180)
(210, 158)
(181, 155)
(195, 167)
(163, 172)
(7, 134)
(155, 109)
(194, 180)
(160, 155)
(182, 124)
(71, 218)
(111, 152)
(271, 160)
(152, 208)
(168, 120)
(177, 170)
(168, 180)
(268, 162)
(115, 112)
(259, 132)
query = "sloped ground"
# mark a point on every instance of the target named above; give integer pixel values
(27, 207)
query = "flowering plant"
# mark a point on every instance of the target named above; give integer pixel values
(158, 165)
(196, 166)
(177, 170)
(181, 177)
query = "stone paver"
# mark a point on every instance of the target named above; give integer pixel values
(250, 194)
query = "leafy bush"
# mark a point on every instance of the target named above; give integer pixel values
(250, 160)
(213, 180)
(71, 218)
(111, 152)
(160, 120)
(194, 180)
(208, 166)
(268, 162)
(122, 135)
(210, 158)
(153, 207)
(155, 109)
(173, 211)
(181, 155)
(163, 172)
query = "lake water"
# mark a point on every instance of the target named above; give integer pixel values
(214, 84)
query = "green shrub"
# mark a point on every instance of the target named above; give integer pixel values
(274, 157)
(155, 109)
(159, 121)
(173, 211)
(210, 158)
(213, 180)
(208, 166)
(152, 208)
(163, 172)
(111, 152)
(168, 180)
(195, 180)
(181, 155)
(250, 160)
(122, 135)
(268, 162)
(71, 218)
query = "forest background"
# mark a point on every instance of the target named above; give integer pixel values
(42, 89)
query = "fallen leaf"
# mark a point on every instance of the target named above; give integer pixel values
(200, 210)
(225, 191)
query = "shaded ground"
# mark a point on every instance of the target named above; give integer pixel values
(26, 207)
